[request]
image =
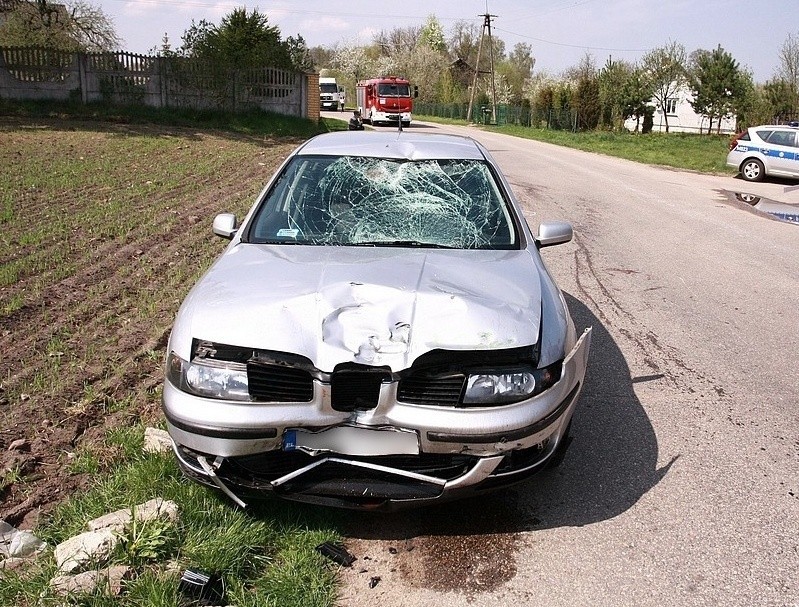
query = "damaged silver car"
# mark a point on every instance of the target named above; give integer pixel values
(381, 331)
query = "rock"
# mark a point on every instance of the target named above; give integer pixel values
(110, 580)
(87, 548)
(20, 444)
(148, 511)
(16, 543)
(157, 441)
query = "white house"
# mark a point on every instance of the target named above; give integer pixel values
(681, 117)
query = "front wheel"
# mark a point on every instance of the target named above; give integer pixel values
(753, 170)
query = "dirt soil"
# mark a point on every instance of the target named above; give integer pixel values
(85, 350)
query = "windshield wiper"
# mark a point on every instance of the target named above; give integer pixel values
(402, 243)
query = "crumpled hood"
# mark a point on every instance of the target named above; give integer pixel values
(376, 306)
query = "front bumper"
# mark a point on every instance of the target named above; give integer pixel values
(393, 455)
(404, 117)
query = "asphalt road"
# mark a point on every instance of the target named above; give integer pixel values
(682, 484)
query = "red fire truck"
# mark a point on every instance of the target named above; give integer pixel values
(386, 100)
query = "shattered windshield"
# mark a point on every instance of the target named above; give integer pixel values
(361, 201)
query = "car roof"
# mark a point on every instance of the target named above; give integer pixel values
(392, 144)
(775, 126)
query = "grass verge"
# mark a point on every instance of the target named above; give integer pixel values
(266, 555)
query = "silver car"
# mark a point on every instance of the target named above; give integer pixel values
(381, 331)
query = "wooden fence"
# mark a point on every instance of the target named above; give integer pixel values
(131, 79)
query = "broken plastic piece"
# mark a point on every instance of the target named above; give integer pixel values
(202, 588)
(217, 481)
(337, 554)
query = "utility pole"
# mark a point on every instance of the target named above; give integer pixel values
(477, 72)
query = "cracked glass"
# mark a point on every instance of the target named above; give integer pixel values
(360, 201)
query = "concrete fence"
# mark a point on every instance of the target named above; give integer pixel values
(31, 73)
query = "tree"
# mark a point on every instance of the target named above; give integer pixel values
(587, 102)
(321, 57)
(432, 35)
(423, 66)
(665, 70)
(76, 26)
(612, 79)
(353, 61)
(789, 70)
(299, 54)
(781, 99)
(516, 71)
(635, 95)
(543, 96)
(717, 84)
(397, 41)
(585, 69)
(464, 41)
(241, 40)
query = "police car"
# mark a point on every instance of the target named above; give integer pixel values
(766, 150)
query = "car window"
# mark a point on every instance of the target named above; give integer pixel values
(394, 90)
(352, 200)
(783, 138)
(764, 135)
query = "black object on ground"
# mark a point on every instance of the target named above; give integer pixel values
(335, 553)
(202, 588)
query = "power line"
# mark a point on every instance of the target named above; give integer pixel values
(292, 11)
(580, 46)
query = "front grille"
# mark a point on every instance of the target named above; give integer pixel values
(278, 383)
(424, 389)
(356, 389)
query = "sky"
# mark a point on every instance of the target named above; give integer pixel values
(560, 32)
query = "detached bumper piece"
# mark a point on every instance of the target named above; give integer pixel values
(384, 482)
(348, 482)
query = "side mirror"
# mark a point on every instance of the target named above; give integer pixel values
(415, 91)
(225, 225)
(554, 232)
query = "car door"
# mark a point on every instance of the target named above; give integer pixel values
(782, 152)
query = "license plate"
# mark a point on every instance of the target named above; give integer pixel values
(349, 440)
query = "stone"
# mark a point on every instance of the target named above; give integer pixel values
(90, 548)
(21, 444)
(157, 441)
(88, 582)
(16, 543)
(148, 511)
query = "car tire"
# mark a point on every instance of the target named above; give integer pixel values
(752, 170)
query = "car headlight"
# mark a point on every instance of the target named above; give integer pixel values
(209, 377)
(509, 386)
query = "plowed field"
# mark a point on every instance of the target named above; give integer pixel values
(103, 229)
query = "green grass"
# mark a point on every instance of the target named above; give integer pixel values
(702, 153)
(265, 554)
